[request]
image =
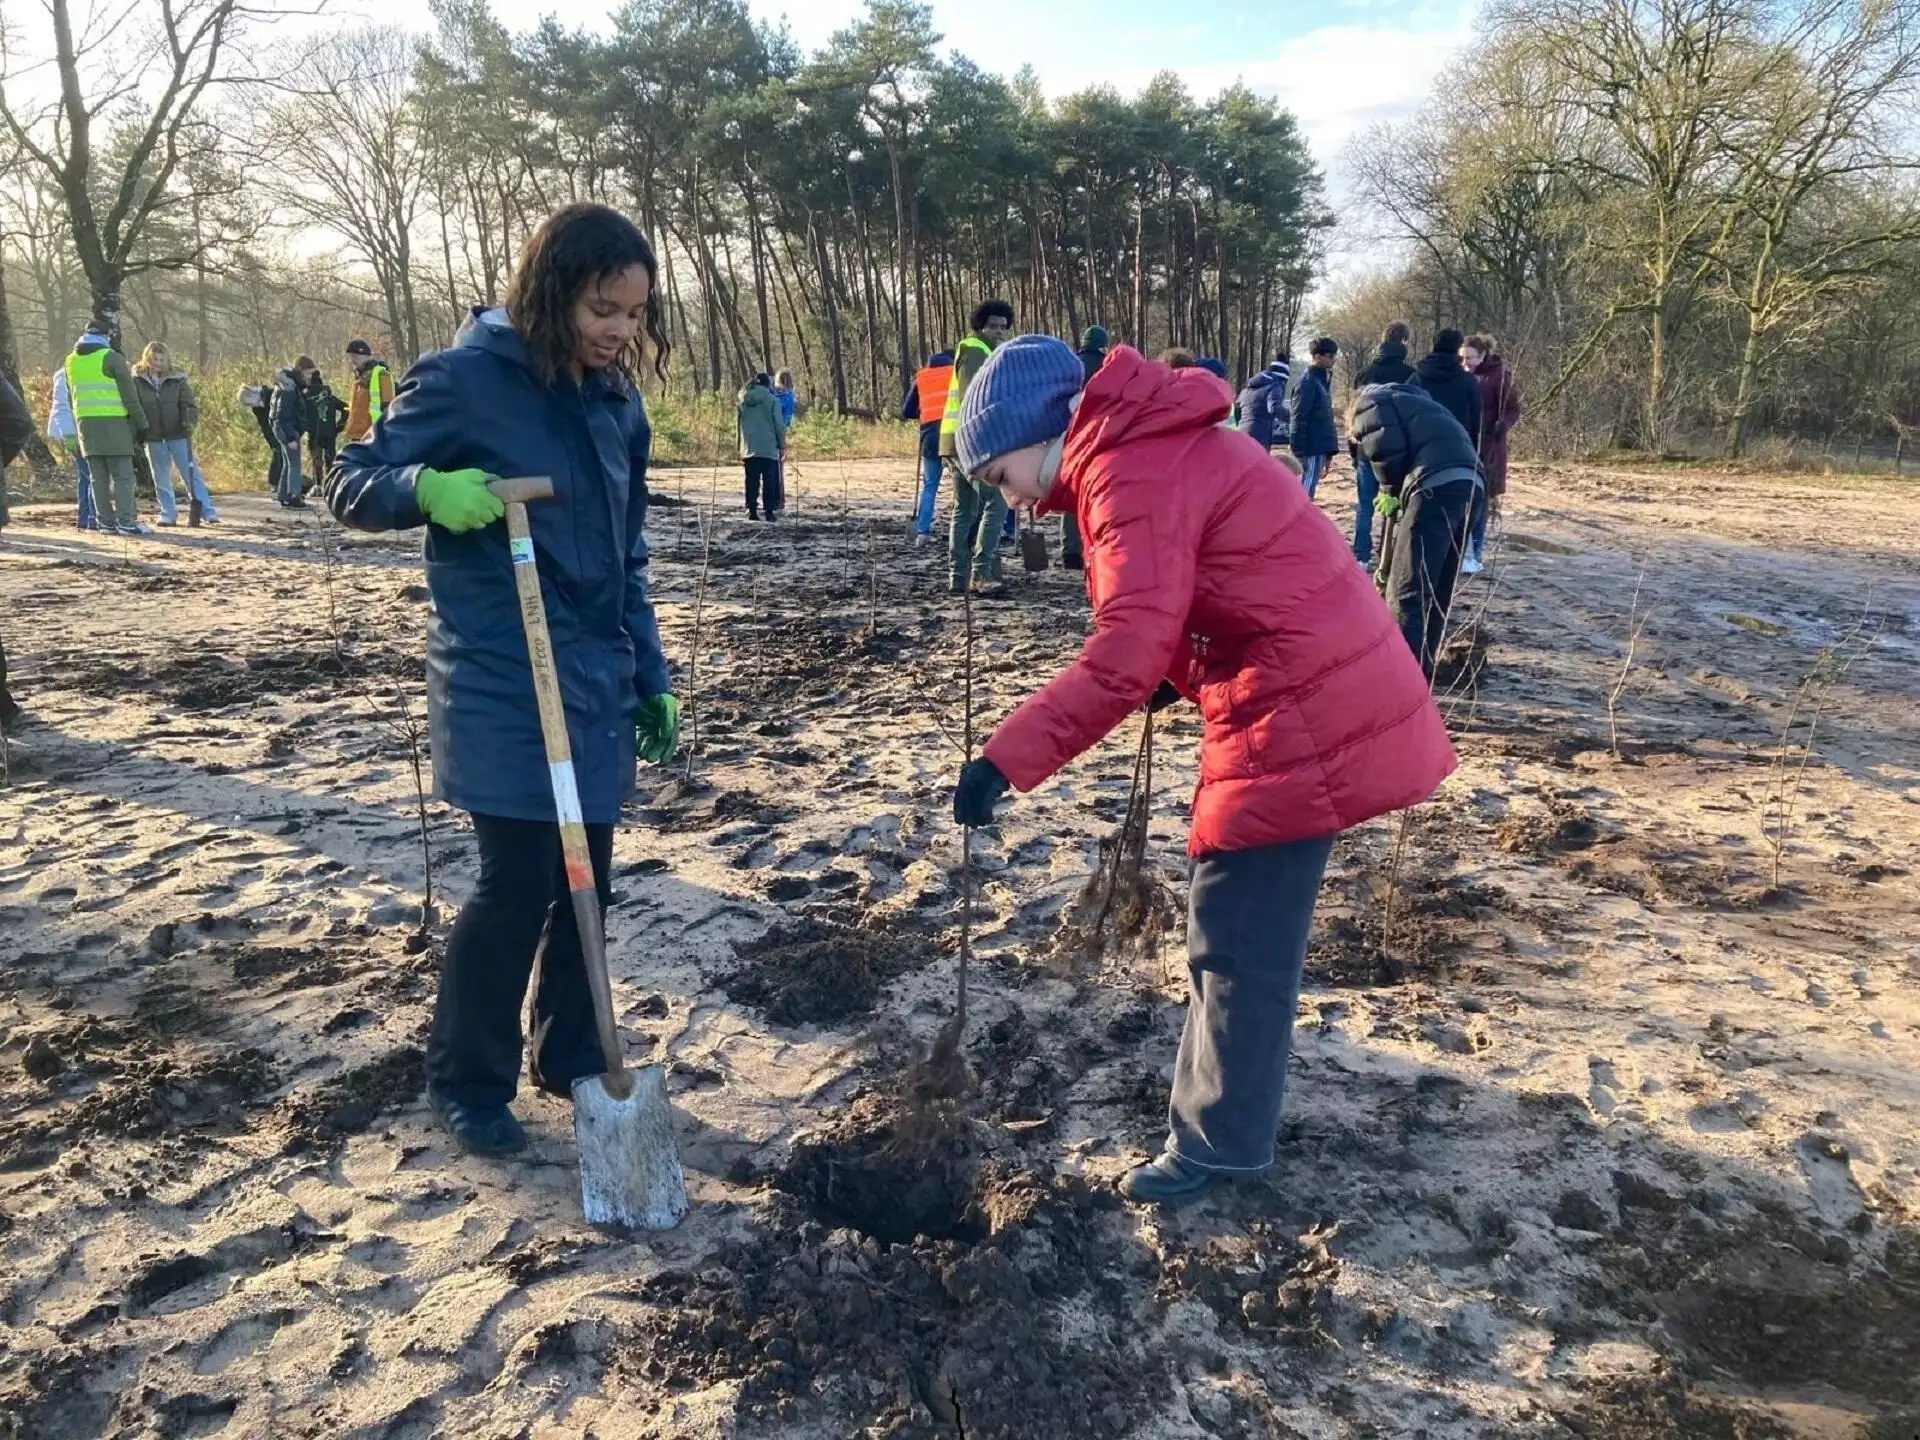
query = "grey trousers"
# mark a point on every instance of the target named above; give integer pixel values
(1249, 915)
(974, 540)
(112, 477)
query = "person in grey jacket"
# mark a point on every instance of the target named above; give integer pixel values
(763, 444)
(171, 413)
(287, 418)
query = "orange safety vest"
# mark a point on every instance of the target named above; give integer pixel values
(932, 383)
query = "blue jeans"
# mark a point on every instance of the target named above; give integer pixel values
(167, 455)
(1477, 527)
(1312, 467)
(290, 487)
(929, 492)
(1249, 914)
(83, 513)
(1366, 489)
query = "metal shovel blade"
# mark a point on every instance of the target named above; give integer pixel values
(630, 1172)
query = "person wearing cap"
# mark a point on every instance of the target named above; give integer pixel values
(1214, 583)
(372, 391)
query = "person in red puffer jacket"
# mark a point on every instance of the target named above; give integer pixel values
(1212, 579)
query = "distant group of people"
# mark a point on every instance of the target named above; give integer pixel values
(115, 420)
(299, 407)
(1463, 377)
(126, 424)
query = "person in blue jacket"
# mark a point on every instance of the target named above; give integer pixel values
(1311, 434)
(544, 385)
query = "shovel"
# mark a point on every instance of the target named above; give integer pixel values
(629, 1167)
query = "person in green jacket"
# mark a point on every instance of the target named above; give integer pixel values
(171, 414)
(763, 445)
(112, 426)
(978, 510)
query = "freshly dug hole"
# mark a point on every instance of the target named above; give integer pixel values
(870, 1181)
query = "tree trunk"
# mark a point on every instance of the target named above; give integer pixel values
(837, 362)
(36, 450)
(899, 265)
(756, 243)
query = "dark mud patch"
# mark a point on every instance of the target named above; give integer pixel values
(286, 967)
(808, 657)
(1462, 662)
(1262, 1279)
(817, 971)
(1773, 1315)
(683, 806)
(146, 1098)
(1662, 1406)
(351, 1102)
(922, 1336)
(210, 682)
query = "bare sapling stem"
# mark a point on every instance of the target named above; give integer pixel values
(873, 584)
(693, 664)
(1792, 757)
(1636, 623)
(399, 717)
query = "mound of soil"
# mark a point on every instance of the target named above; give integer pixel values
(351, 1102)
(959, 1332)
(818, 972)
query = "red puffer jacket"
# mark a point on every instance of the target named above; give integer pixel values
(1208, 565)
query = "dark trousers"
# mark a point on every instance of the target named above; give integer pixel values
(319, 462)
(1428, 540)
(1249, 915)
(8, 709)
(519, 914)
(763, 484)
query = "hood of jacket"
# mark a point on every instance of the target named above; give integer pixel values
(87, 344)
(1391, 352)
(1134, 399)
(937, 359)
(1439, 365)
(1492, 367)
(746, 393)
(141, 372)
(1266, 379)
(490, 330)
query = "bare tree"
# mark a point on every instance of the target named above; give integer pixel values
(363, 171)
(156, 69)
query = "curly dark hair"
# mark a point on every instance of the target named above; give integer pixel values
(986, 310)
(573, 247)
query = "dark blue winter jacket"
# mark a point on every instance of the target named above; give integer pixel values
(480, 405)
(1313, 432)
(1263, 406)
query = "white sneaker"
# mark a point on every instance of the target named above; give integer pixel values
(1470, 563)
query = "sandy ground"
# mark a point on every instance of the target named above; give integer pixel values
(1606, 1134)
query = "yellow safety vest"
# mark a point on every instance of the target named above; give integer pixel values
(374, 372)
(950, 418)
(95, 394)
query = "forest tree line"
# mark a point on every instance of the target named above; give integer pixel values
(1691, 222)
(1682, 217)
(837, 214)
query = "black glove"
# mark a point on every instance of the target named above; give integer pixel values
(980, 788)
(1167, 694)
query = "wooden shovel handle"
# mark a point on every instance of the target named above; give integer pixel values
(566, 794)
(521, 489)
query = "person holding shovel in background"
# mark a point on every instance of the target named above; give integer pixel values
(544, 385)
(1210, 581)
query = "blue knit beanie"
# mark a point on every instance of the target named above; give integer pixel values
(1020, 397)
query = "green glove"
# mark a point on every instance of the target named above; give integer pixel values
(1385, 504)
(457, 500)
(656, 729)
